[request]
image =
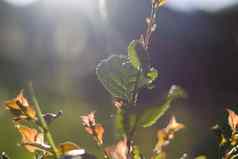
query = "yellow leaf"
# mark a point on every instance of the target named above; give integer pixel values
(234, 139)
(159, 3)
(162, 2)
(223, 140)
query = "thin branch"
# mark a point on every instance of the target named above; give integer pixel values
(43, 123)
(145, 40)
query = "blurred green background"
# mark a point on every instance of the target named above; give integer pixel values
(57, 45)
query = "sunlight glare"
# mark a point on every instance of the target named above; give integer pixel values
(103, 9)
(82, 4)
(20, 3)
(206, 5)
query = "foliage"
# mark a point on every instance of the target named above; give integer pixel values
(228, 142)
(123, 77)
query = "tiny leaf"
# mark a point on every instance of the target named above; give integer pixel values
(152, 74)
(152, 114)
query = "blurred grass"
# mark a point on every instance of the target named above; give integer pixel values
(66, 128)
(69, 128)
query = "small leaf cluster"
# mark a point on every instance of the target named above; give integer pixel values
(124, 76)
(228, 140)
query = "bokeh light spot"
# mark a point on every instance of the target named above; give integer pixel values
(20, 3)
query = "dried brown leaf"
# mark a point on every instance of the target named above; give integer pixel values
(89, 119)
(21, 108)
(232, 120)
(99, 132)
(166, 134)
(31, 136)
(118, 151)
(174, 125)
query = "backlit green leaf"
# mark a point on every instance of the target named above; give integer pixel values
(152, 74)
(152, 114)
(119, 77)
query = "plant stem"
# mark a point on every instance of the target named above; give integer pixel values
(145, 41)
(43, 123)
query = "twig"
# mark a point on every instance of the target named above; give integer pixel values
(43, 123)
(145, 40)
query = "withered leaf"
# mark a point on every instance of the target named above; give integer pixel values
(99, 132)
(165, 135)
(232, 120)
(31, 137)
(118, 151)
(21, 108)
(89, 119)
(92, 128)
(162, 140)
(174, 125)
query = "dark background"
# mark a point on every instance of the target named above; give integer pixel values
(58, 49)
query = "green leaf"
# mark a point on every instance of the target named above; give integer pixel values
(152, 74)
(133, 56)
(177, 92)
(118, 76)
(152, 114)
